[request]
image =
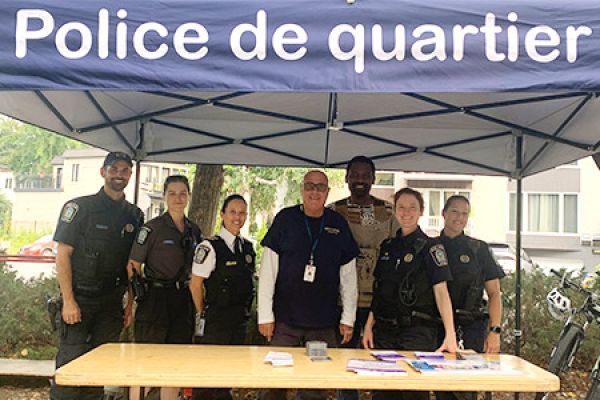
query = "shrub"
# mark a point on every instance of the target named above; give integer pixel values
(540, 331)
(25, 330)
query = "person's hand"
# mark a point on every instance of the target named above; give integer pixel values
(449, 344)
(133, 267)
(128, 314)
(492, 343)
(367, 340)
(267, 330)
(71, 313)
(346, 333)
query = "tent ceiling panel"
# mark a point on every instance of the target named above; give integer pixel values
(320, 128)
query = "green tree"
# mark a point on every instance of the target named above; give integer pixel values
(5, 213)
(29, 150)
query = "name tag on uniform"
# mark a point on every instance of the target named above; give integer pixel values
(309, 273)
(230, 263)
(168, 241)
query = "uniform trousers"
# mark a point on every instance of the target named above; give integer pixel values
(289, 336)
(165, 316)
(101, 322)
(419, 337)
(225, 326)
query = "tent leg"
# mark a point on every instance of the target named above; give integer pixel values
(519, 228)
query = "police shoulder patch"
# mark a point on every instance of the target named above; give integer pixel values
(69, 212)
(201, 253)
(438, 253)
(143, 235)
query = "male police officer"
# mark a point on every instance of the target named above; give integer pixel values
(371, 221)
(308, 261)
(94, 235)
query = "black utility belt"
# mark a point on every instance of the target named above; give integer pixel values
(405, 321)
(465, 317)
(168, 285)
(95, 289)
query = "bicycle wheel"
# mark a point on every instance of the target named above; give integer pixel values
(565, 349)
(594, 392)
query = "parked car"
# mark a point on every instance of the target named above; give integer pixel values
(506, 256)
(44, 246)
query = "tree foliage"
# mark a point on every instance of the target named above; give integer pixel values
(29, 150)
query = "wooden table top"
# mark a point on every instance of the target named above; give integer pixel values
(128, 364)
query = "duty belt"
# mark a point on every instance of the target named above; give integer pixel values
(404, 321)
(168, 285)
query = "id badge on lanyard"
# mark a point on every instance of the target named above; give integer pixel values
(310, 270)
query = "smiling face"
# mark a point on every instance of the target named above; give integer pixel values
(177, 196)
(408, 212)
(234, 216)
(360, 178)
(315, 189)
(456, 217)
(116, 176)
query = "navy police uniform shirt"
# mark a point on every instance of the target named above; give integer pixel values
(297, 302)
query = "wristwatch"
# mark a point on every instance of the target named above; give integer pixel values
(496, 329)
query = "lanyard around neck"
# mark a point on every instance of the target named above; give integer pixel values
(314, 242)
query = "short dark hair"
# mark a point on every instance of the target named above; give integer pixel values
(361, 160)
(176, 178)
(230, 198)
(453, 198)
(411, 192)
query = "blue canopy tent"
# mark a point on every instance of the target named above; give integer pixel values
(492, 87)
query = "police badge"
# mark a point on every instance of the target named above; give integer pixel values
(69, 212)
(465, 258)
(248, 258)
(408, 258)
(143, 235)
(201, 253)
(438, 253)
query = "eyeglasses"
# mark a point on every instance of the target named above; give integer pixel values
(319, 187)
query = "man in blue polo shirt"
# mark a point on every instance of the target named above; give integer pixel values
(308, 263)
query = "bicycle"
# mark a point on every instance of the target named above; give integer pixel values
(573, 332)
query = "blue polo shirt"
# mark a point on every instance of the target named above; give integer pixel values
(309, 304)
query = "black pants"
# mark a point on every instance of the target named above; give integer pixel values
(226, 327)
(289, 336)
(473, 337)
(165, 316)
(423, 338)
(100, 323)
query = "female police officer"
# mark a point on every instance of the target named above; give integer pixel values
(473, 269)
(223, 285)
(165, 245)
(409, 291)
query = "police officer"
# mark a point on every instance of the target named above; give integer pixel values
(473, 270)
(223, 285)
(371, 221)
(409, 291)
(94, 235)
(165, 245)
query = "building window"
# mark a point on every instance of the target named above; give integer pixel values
(75, 173)
(546, 213)
(384, 179)
(58, 183)
(8, 183)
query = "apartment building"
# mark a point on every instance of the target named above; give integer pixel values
(37, 201)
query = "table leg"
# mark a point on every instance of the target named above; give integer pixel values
(142, 392)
